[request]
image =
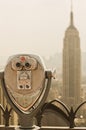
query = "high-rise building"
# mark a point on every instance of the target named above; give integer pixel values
(71, 65)
(4, 103)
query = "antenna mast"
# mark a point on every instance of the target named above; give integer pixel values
(71, 5)
(71, 13)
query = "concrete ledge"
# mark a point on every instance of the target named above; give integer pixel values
(8, 127)
(17, 128)
(43, 128)
(62, 128)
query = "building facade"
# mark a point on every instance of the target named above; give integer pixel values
(4, 103)
(71, 65)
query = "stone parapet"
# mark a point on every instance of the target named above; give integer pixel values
(43, 128)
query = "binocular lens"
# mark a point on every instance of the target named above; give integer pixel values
(21, 86)
(27, 86)
(18, 64)
(27, 64)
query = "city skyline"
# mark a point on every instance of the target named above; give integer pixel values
(38, 26)
(47, 28)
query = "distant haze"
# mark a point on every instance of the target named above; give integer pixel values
(38, 26)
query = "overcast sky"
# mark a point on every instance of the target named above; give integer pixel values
(38, 26)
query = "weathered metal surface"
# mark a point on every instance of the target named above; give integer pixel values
(24, 76)
(26, 84)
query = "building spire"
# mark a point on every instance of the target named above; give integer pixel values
(71, 14)
(71, 5)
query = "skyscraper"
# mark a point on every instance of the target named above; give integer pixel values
(4, 103)
(71, 65)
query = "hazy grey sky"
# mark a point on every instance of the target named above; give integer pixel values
(38, 26)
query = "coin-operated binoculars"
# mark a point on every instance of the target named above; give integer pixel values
(26, 84)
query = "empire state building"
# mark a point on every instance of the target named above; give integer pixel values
(71, 65)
